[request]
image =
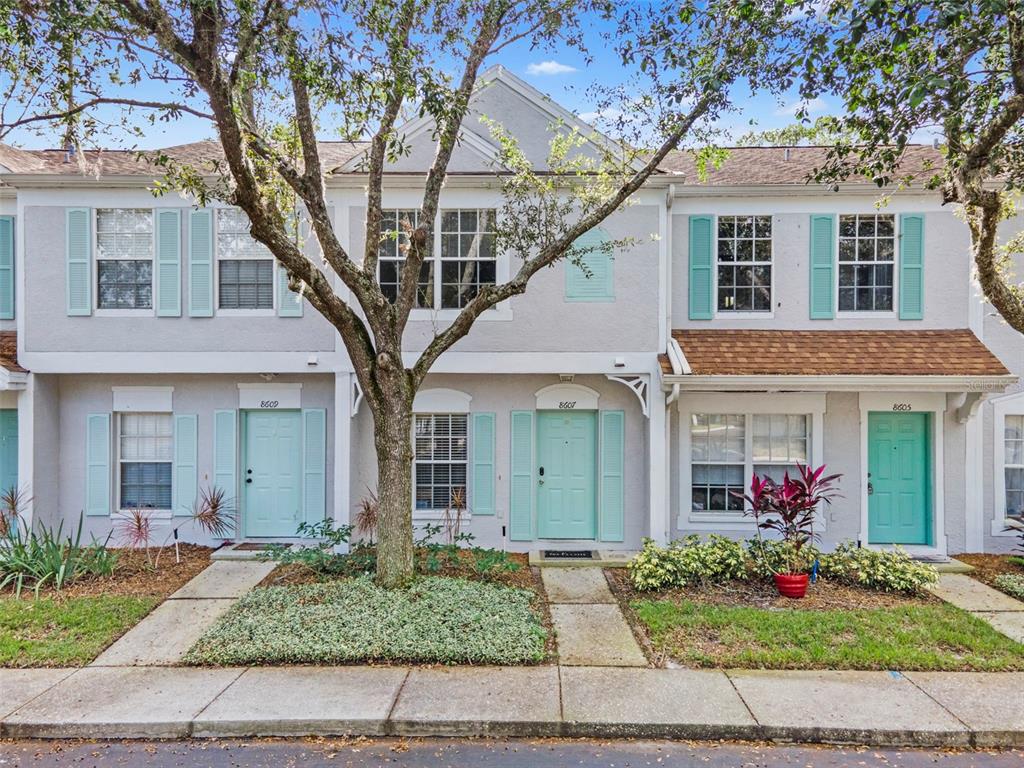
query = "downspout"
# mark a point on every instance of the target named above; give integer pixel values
(669, 198)
(680, 367)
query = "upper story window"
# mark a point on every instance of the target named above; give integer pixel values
(124, 258)
(145, 448)
(468, 257)
(245, 267)
(394, 241)
(439, 471)
(744, 263)
(867, 254)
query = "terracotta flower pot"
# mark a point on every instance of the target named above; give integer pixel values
(793, 585)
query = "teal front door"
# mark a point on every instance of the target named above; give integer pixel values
(567, 474)
(8, 449)
(272, 473)
(899, 478)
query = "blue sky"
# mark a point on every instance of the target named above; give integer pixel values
(564, 75)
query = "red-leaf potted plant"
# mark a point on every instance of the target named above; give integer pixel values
(787, 509)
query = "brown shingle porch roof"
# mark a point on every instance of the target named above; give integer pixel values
(9, 352)
(735, 352)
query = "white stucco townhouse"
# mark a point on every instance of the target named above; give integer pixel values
(150, 348)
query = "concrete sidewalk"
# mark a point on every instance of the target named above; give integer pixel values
(1001, 611)
(871, 708)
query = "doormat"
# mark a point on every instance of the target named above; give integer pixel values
(568, 554)
(253, 546)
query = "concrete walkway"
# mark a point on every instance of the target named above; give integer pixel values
(871, 708)
(163, 637)
(590, 627)
(1000, 610)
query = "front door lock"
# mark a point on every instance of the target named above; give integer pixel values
(541, 481)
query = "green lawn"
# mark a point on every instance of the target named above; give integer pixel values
(436, 620)
(915, 637)
(54, 633)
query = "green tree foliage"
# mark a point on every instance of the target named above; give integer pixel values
(271, 77)
(902, 67)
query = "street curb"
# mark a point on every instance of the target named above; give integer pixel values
(511, 728)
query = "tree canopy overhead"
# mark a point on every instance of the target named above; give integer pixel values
(273, 76)
(955, 68)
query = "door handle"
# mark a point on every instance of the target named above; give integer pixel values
(248, 479)
(871, 488)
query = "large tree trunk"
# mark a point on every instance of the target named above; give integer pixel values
(983, 214)
(393, 439)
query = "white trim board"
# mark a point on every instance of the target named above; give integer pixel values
(810, 404)
(1011, 405)
(933, 403)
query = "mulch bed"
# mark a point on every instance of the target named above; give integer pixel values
(135, 576)
(987, 567)
(821, 596)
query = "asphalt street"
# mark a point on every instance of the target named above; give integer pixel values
(478, 753)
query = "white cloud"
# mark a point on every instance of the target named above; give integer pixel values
(607, 115)
(548, 68)
(817, 104)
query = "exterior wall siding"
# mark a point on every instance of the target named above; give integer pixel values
(59, 485)
(501, 395)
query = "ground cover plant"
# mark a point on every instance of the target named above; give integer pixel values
(353, 620)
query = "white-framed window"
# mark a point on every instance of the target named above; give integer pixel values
(145, 452)
(468, 254)
(744, 263)
(867, 262)
(124, 258)
(245, 267)
(727, 449)
(1013, 466)
(440, 465)
(394, 242)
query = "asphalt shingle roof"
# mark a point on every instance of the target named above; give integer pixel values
(736, 352)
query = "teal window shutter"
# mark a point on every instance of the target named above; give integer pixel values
(289, 303)
(613, 498)
(314, 464)
(168, 263)
(200, 263)
(522, 491)
(8, 449)
(701, 266)
(225, 451)
(823, 269)
(599, 284)
(78, 261)
(97, 464)
(185, 470)
(482, 499)
(911, 266)
(6, 267)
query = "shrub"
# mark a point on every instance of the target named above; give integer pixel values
(435, 620)
(885, 570)
(1010, 583)
(769, 556)
(688, 561)
(45, 557)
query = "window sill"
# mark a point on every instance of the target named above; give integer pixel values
(156, 514)
(999, 528)
(760, 314)
(141, 312)
(866, 315)
(447, 316)
(436, 515)
(246, 313)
